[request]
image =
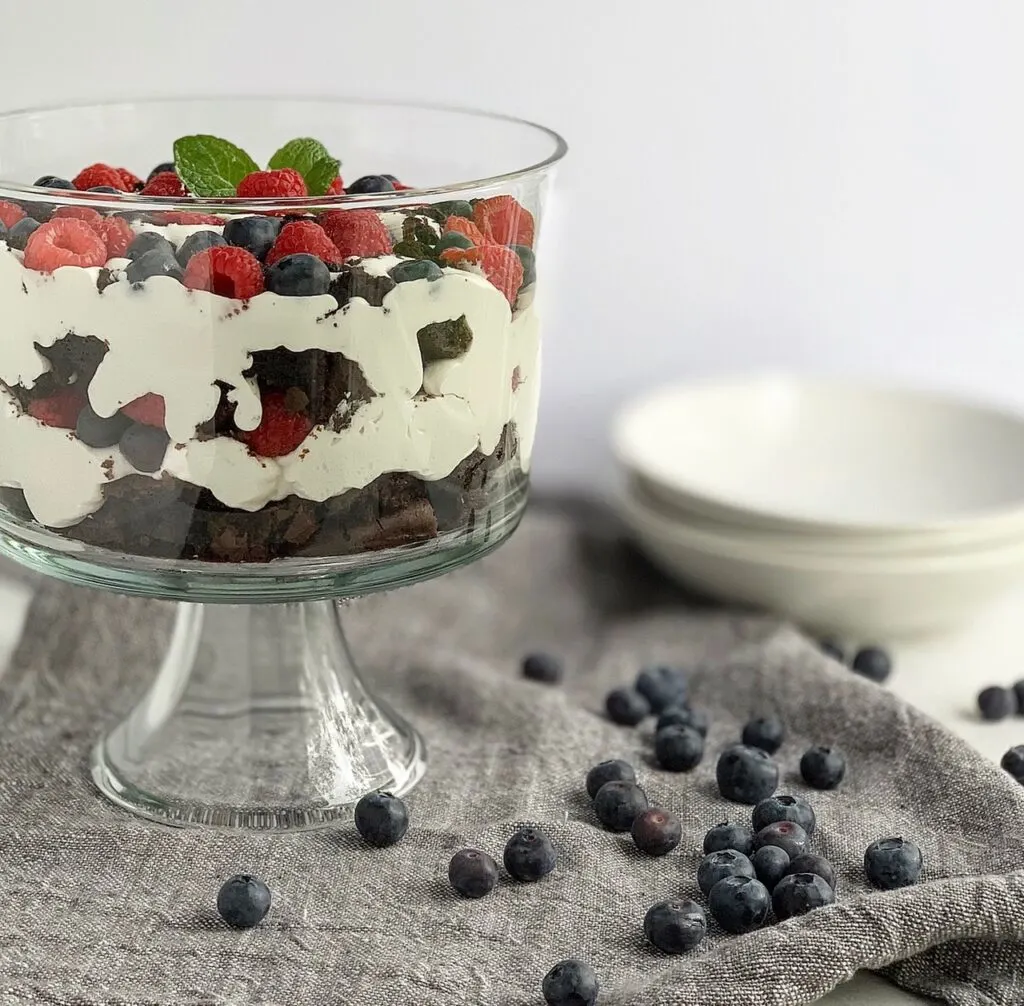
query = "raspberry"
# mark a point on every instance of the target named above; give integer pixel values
(336, 188)
(504, 221)
(189, 217)
(117, 234)
(60, 409)
(304, 236)
(227, 271)
(501, 266)
(166, 183)
(98, 174)
(399, 187)
(149, 409)
(357, 232)
(92, 217)
(64, 242)
(280, 431)
(132, 183)
(10, 214)
(460, 225)
(285, 183)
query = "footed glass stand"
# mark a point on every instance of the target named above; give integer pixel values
(257, 719)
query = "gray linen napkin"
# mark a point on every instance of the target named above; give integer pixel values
(101, 908)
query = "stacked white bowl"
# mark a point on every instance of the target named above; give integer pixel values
(854, 509)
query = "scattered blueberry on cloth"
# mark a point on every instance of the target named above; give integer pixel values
(102, 908)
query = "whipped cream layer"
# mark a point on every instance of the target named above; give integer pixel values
(175, 342)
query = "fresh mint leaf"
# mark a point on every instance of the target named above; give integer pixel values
(321, 174)
(210, 166)
(300, 154)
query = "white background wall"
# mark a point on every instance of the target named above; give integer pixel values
(831, 185)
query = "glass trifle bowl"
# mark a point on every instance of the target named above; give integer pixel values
(257, 390)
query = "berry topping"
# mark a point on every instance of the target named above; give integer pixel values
(357, 232)
(189, 217)
(243, 901)
(158, 261)
(739, 904)
(99, 174)
(60, 409)
(281, 429)
(371, 183)
(149, 410)
(52, 182)
(105, 188)
(529, 855)
(149, 241)
(406, 272)
(10, 213)
(893, 862)
(131, 183)
(716, 866)
(472, 873)
(305, 237)
(254, 234)
(226, 271)
(784, 808)
(746, 774)
(460, 225)
(18, 235)
(618, 803)
(504, 221)
(501, 266)
(570, 983)
(676, 925)
(729, 836)
(382, 819)
(117, 235)
(167, 183)
(613, 770)
(799, 893)
(164, 168)
(656, 832)
(284, 183)
(64, 242)
(92, 217)
(336, 188)
(198, 242)
(452, 240)
(298, 275)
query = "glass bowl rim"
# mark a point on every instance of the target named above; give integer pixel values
(132, 201)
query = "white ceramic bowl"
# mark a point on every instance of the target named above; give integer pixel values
(795, 455)
(866, 597)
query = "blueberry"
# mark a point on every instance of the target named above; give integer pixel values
(626, 706)
(149, 241)
(740, 904)
(18, 235)
(160, 169)
(255, 234)
(453, 208)
(52, 182)
(472, 873)
(157, 262)
(678, 749)
(100, 431)
(784, 808)
(765, 732)
(197, 242)
(892, 862)
(529, 262)
(453, 239)
(676, 925)
(823, 768)
(799, 893)
(144, 447)
(406, 272)
(662, 687)
(106, 188)
(724, 863)
(873, 663)
(529, 855)
(818, 865)
(685, 716)
(543, 667)
(746, 774)
(370, 183)
(770, 864)
(570, 983)
(831, 648)
(618, 803)
(1013, 762)
(614, 770)
(995, 703)
(382, 819)
(729, 836)
(656, 832)
(786, 835)
(1017, 687)
(243, 901)
(298, 275)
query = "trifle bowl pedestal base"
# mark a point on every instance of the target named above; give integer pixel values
(257, 719)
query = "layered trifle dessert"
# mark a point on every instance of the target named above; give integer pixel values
(261, 384)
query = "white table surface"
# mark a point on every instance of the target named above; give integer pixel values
(940, 675)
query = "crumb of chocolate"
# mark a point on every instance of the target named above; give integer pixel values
(24, 289)
(444, 340)
(104, 278)
(517, 379)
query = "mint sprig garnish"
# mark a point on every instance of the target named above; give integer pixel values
(210, 166)
(310, 159)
